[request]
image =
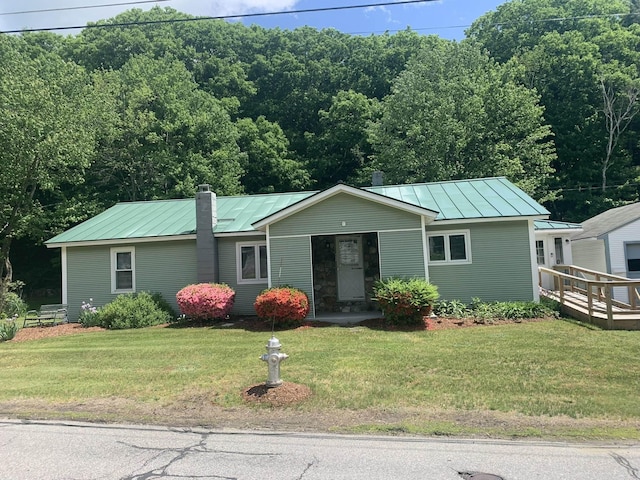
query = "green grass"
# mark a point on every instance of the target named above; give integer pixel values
(549, 369)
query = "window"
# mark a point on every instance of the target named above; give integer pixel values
(540, 251)
(450, 247)
(123, 268)
(252, 262)
(633, 257)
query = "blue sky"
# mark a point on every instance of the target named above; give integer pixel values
(446, 18)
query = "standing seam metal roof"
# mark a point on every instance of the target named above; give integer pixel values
(455, 200)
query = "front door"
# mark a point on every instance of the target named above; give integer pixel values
(350, 268)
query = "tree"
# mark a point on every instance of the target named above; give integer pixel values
(341, 148)
(584, 64)
(46, 135)
(267, 166)
(163, 135)
(455, 113)
(619, 105)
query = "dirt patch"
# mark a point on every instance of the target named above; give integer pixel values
(286, 394)
(201, 411)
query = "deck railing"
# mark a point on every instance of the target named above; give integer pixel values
(572, 284)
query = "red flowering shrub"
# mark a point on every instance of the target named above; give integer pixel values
(282, 304)
(205, 301)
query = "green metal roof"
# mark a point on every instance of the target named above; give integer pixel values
(164, 218)
(553, 225)
(467, 199)
(455, 200)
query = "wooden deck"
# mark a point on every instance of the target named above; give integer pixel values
(588, 296)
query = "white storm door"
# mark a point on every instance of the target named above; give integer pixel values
(350, 268)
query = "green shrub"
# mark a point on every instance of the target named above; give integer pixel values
(451, 308)
(405, 301)
(13, 305)
(487, 312)
(132, 310)
(164, 305)
(8, 330)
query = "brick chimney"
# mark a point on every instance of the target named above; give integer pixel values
(206, 244)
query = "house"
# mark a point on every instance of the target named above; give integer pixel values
(610, 242)
(472, 238)
(553, 245)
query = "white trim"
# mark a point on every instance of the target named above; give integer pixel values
(313, 297)
(120, 241)
(425, 251)
(268, 240)
(363, 232)
(534, 261)
(113, 254)
(256, 248)
(379, 256)
(447, 253)
(250, 233)
(65, 288)
(341, 188)
(488, 220)
(551, 231)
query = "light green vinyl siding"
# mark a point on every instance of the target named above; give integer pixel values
(401, 254)
(291, 264)
(501, 264)
(163, 267)
(166, 268)
(89, 276)
(245, 293)
(358, 215)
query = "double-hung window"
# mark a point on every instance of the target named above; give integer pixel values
(449, 247)
(540, 252)
(123, 270)
(252, 262)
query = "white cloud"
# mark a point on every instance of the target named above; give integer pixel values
(236, 7)
(82, 16)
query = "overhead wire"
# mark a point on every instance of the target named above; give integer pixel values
(222, 17)
(81, 7)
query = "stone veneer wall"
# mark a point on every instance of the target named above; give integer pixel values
(325, 280)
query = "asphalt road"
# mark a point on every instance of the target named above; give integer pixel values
(80, 451)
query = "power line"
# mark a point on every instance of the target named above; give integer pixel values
(222, 17)
(510, 24)
(81, 7)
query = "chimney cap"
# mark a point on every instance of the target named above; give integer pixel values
(205, 187)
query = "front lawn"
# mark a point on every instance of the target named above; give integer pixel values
(568, 380)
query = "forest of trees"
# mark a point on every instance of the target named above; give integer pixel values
(544, 92)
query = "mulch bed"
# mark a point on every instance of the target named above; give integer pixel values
(36, 333)
(284, 394)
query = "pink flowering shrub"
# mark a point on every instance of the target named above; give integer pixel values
(205, 301)
(282, 305)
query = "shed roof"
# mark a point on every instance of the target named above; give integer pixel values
(608, 221)
(552, 225)
(456, 200)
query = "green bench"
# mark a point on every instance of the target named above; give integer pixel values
(48, 314)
